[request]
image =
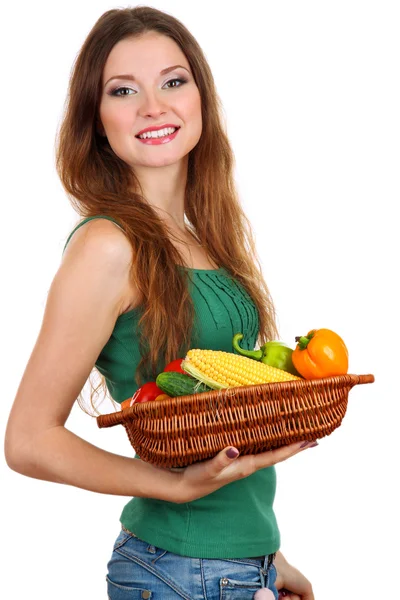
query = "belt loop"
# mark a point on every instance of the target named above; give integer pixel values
(263, 575)
(265, 569)
(271, 558)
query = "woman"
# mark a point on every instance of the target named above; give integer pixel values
(164, 260)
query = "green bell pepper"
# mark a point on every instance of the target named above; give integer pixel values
(275, 354)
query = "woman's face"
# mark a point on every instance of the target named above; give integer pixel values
(142, 96)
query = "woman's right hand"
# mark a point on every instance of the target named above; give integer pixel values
(203, 478)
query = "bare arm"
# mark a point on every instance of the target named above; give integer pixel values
(59, 455)
(86, 296)
(88, 293)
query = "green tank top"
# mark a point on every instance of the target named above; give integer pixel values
(238, 520)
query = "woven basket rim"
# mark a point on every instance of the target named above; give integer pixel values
(124, 415)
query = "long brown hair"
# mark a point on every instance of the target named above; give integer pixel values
(98, 182)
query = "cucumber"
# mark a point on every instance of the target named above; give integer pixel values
(179, 384)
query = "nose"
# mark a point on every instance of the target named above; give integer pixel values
(152, 105)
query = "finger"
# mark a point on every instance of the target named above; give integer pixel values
(264, 594)
(272, 457)
(222, 460)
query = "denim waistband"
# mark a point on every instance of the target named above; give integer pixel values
(261, 559)
(270, 558)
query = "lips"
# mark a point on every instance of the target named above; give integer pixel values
(157, 128)
(158, 140)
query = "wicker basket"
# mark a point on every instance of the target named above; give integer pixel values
(254, 418)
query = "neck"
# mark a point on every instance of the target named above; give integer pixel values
(164, 189)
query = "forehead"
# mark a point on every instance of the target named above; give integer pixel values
(143, 56)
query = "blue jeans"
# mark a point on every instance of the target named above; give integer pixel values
(138, 570)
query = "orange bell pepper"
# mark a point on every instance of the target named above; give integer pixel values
(321, 353)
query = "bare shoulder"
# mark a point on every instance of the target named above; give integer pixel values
(101, 244)
(103, 238)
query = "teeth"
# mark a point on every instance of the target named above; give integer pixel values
(159, 133)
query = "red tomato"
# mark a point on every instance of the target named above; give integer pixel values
(148, 391)
(175, 366)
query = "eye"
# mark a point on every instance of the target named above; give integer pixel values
(119, 89)
(181, 81)
(115, 91)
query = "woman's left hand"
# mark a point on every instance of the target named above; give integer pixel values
(290, 583)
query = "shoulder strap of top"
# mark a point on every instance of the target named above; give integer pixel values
(85, 221)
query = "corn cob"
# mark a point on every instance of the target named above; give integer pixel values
(219, 369)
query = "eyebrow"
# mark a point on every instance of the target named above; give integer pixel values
(132, 78)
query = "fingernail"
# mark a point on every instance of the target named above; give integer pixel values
(304, 444)
(313, 445)
(232, 453)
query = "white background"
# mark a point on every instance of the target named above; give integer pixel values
(311, 97)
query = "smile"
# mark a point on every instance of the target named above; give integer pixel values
(163, 136)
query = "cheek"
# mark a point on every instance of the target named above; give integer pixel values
(117, 118)
(196, 104)
(193, 110)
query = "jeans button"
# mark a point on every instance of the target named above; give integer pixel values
(146, 594)
(224, 581)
